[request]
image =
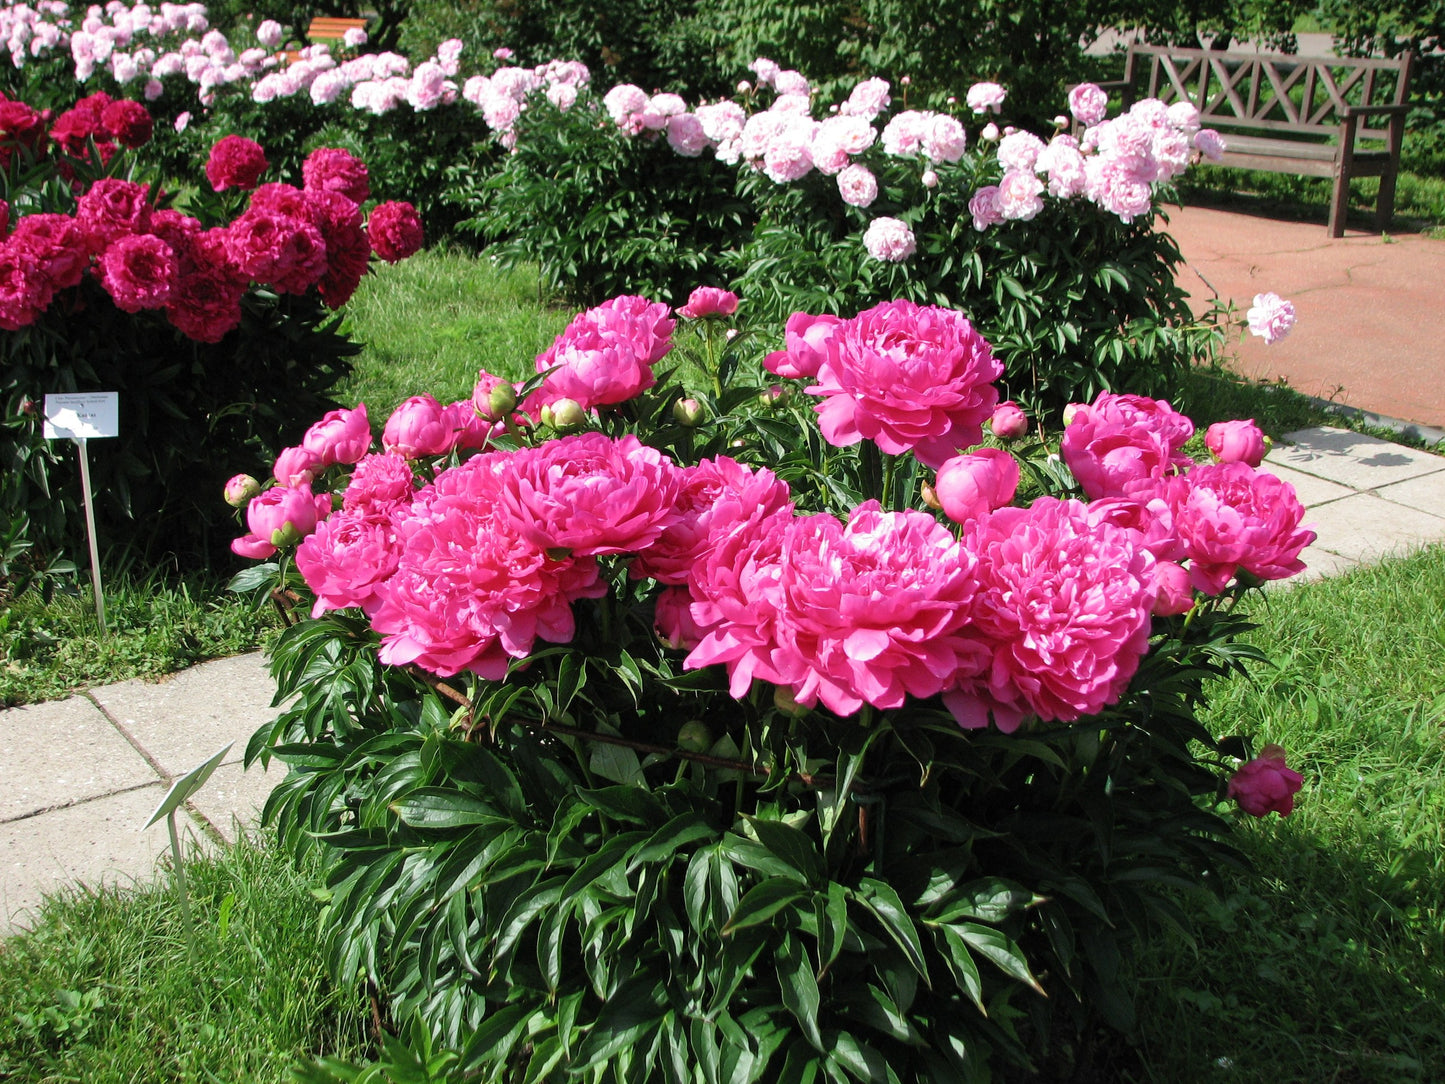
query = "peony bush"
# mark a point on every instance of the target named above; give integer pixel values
(214, 320)
(686, 704)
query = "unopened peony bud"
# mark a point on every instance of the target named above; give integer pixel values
(989, 133)
(240, 490)
(687, 412)
(564, 415)
(930, 179)
(1175, 594)
(907, 81)
(1008, 421)
(1072, 411)
(501, 402)
(974, 484)
(744, 86)
(1236, 442)
(930, 497)
(1061, 121)
(775, 396)
(694, 736)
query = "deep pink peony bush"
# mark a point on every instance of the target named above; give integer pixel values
(910, 378)
(1230, 518)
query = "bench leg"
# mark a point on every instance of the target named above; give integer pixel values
(1385, 205)
(1339, 204)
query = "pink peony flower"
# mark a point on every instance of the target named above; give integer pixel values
(235, 162)
(984, 207)
(1175, 592)
(348, 251)
(709, 301)
(985, 97)
(1271, 317)
(281, 516)
(347, 560)
(335, 170)
(685, 135)
(284, 251)
(1020, 195)
(974, 484)
(1209, 143)
(1008, 422)
(379, 484)
(889, 239)
(904, 133)
(1056, 660)
(341, 436)
(138, 271)
(1236, 442)
(944, 139)
(606, 354)
(1265, 785)
(296, 465)
(673, 621)
(112, 208)
(907, 377)
(858, 187)
(1088, 103)
(1125, 445)
(867, 100)
(128, 123)
(419, 428)
(1231, 517)
(712, 497)
(205, 303)
(868, 609)
(269, 33)
(805, 338)
(588, 494)
(395, 231)
(1019, 150)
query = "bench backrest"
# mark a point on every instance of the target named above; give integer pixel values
(1268, 91)
(332, 28)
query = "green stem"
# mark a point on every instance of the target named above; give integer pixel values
(871, 464)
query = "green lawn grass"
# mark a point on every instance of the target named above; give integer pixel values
(103, 989)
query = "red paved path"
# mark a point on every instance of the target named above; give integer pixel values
(1371, 329)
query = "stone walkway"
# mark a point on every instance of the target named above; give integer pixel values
(79, 777)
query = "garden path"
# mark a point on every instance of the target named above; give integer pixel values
(79, 777)
(1371, 310)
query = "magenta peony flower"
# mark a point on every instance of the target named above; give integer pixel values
(332, 169)
(888, 239)
(1008, 421)
(348, 558)
(1265, 785)
(974, 484)
(589, 494)
(112, 208)
(709, 301)
(1175, 592)
(910, 378)
(205, 303)
(672, 619)
(1125, 445)
(138, 271)
(283, 251)
(606, 354)
(53, 247)
(1231, 517)
(1064, 605)
(281, 516)
(419, 427)
(395, 231)
(1236, 442)
(341, 436)
(235, 162)
(805, 340)
(867, 610)
(1271, 318)
(348, 251)
(128, 123)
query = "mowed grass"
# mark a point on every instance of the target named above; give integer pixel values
(430, 322)
(1327, 962)
(103, 988)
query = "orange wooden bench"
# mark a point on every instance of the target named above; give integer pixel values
(332, 28)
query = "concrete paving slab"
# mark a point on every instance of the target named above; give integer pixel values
(1311, 491)
(1426, 493)
(1320, 563)
(62, 752)
(1366, 527)
(232, 798)
(189, 716)
(1352, 459)
(94, 843)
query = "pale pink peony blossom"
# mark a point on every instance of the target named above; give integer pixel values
(1209, 143)
(857, 185)
(1088, 103)
(984, 207)
(867, 100)
(985, 98)
(889, 239)
(1271, 317)
(1020, 195)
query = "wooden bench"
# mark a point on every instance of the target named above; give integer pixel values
(332, 28)
(1338, 117)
